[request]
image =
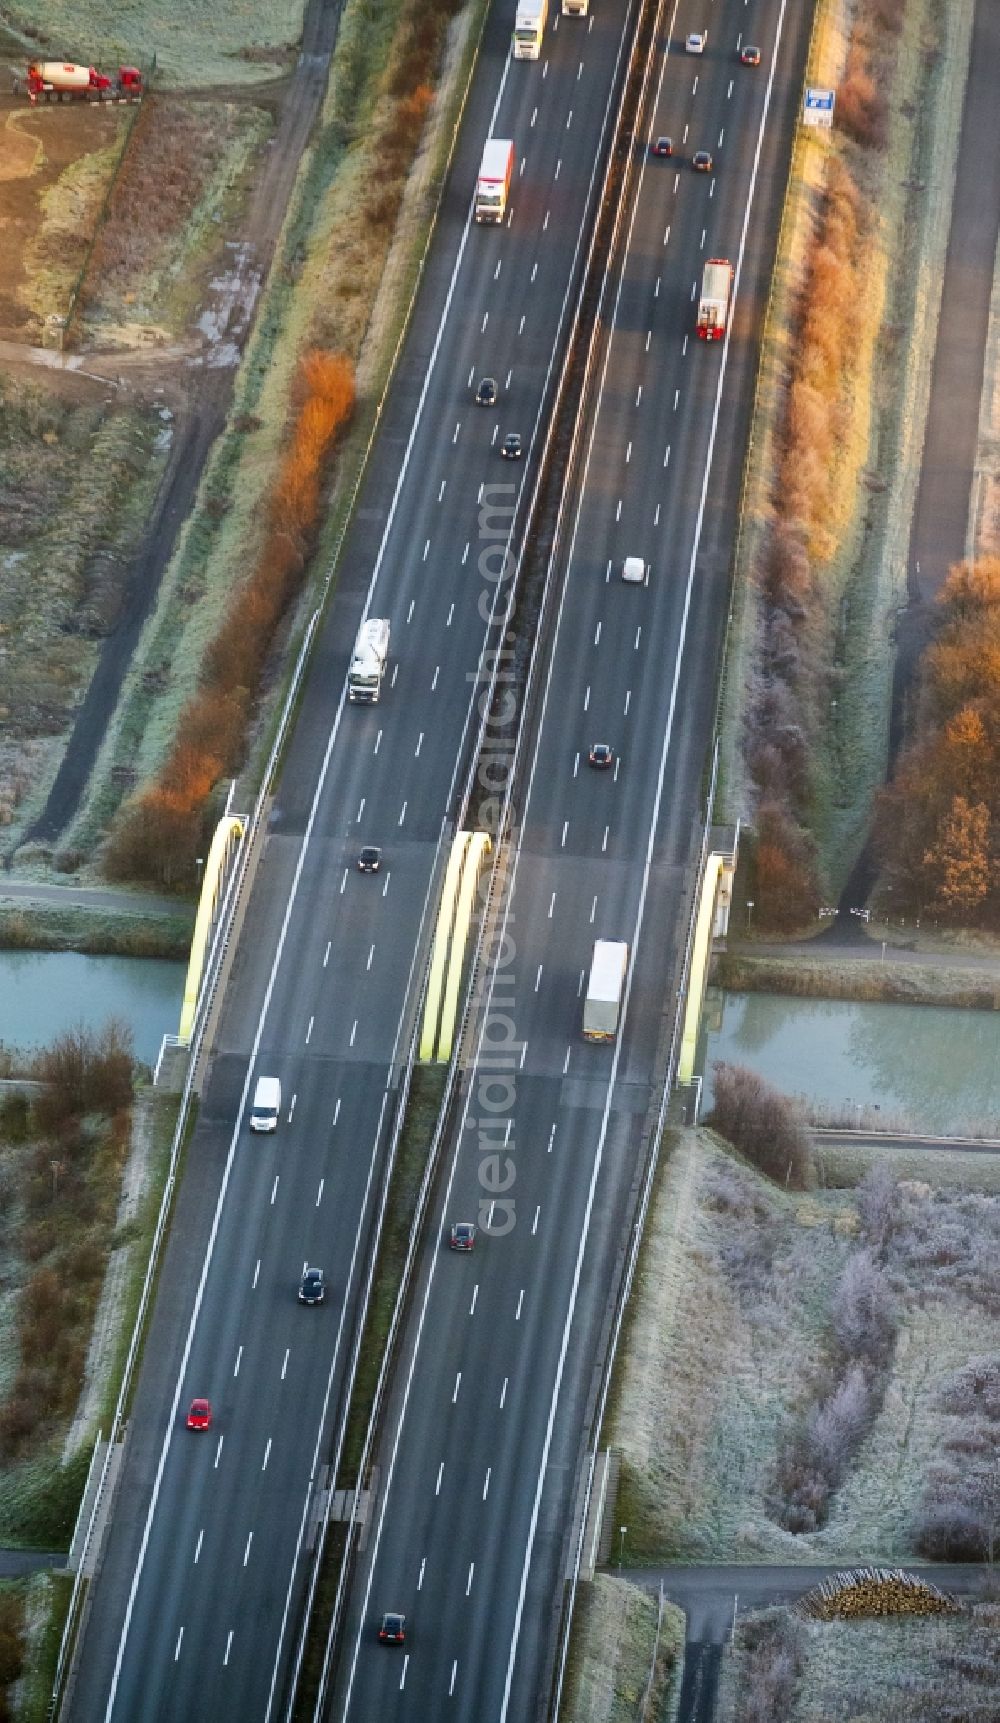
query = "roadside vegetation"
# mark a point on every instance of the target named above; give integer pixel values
(837, 435)
(64, 1142)
(11, 1645)
(160, 830)
(809, 1376)
(939, 819)
(626, 1656)
(782, 1666)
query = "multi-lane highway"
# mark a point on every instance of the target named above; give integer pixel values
(479, 1462)
(202, 1572)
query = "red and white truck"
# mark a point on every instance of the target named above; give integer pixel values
(716, 292)
(493, 184)
(61, 81)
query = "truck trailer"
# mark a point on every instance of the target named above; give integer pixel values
(605, 990)
(368, 661)
(493, 184)
(529, 27)
(713, 306)
(61, 81)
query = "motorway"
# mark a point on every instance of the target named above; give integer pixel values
(194, 1606)
(479, 1465)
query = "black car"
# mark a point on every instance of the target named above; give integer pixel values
(462, 1236)
(663, 147)
(601, 755)
(486, 394)
(370, 859)
(701, 161)
(392, 1630)
(511, 447)
(312, 1286)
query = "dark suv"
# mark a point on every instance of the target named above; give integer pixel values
(312, 1286)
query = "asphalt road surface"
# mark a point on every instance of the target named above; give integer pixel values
(479, 1465)
(202, 1575)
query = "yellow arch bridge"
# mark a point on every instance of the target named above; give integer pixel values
(451, 935)
(228, 833)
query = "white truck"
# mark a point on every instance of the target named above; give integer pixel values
(493, 184)
(529, 26)
(368, 661)
(575, 8)
(605, 990)
(713, 306)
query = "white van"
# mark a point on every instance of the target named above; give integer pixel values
(266, 1105)
(634, 570)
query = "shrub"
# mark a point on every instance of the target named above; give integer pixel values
(879, 1206)
(771, 1668)
(762, 1124)
(158, 833)
(863, 1315)
(84, 1071)
(952, 1531)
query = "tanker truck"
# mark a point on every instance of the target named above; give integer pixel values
(59, 81)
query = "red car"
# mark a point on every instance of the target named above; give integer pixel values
(200, 1415)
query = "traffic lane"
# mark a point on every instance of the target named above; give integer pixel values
(291, 823)
(452, 1437)
(261, 1318)
(485, 1550)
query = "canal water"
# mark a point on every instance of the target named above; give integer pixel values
(44, 993)
(923, 1067)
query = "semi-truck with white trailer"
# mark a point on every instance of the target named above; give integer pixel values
(713, 306)
(493, 184)
(605, 990)
(368, 661)
(529, 27)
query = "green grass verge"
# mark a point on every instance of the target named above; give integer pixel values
(104, 933)
(47, 1597)
(164, 1137)
(138, 1234)
(40, 1501)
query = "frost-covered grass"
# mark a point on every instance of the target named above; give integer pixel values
(926, 1669)
(731, 1346)
(228, 42)
(613, 1647)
